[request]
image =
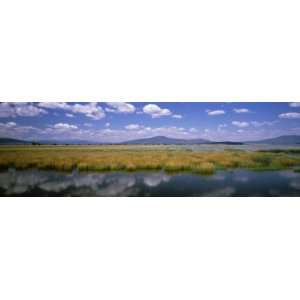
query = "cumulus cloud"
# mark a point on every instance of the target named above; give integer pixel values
(133, 127)
(215, 112)
(21, 109)
(13, 130)
(6, 110)
(91, 110)
(11, 124)
(155, 111)
(222, 127)
(120, 107)
(107, 124)
(263, 123)
(241, 110)
(8, 125)
(140, 131)
(193, 130)
(69, 115)
(55, 105)
(177, 116)
(294, 104)
(65, 126)
(240, 124)
(28, 110)
(290, 115)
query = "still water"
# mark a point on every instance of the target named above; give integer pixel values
(244, 147)
(224, 183)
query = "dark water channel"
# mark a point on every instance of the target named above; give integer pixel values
(224, 183)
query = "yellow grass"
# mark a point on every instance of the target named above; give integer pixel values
(133, 158)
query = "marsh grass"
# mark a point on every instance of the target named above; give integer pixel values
(134, 158)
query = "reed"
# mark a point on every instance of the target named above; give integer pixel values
(133, 158)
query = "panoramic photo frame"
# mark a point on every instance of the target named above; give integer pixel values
(176, 149)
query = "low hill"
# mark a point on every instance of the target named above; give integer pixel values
(9, 141)
(163, 140)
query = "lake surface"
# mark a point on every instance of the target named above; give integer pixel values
(224, 183)
(245, 147)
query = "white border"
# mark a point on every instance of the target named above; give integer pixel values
(149, 248)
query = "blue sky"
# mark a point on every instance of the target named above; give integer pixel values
(119, 121)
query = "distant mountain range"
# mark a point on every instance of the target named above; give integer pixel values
(281, 140)
(162, 140)
(9, 141)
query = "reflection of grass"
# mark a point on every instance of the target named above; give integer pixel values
(132, 158)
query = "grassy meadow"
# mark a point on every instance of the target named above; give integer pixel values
(134, 158)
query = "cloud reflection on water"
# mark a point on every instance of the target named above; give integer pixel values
(232, 183)
(155, 179)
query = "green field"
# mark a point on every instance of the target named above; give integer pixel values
(134, 158)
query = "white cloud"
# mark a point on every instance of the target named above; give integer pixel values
(295, 104)
(290, 115)
(133, 127)
(120, 107)
(263, 123)
(193, 130)
(11, 129)
(65, 126)
(171, 131)
(107, 124)
(177, 116)
(221, 127)
(11, 124)
(6, 110)
(28, 110)
(240, 124)
(215, 112)
(64, 131)
(155, 111)
(119, 135)
(22, 109)
(91, 110)
(70, 115)
(55, 105)
(241, 110)
(8, 125)
(240, 131)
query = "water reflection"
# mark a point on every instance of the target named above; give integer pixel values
(225, 183)
(155, 179)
